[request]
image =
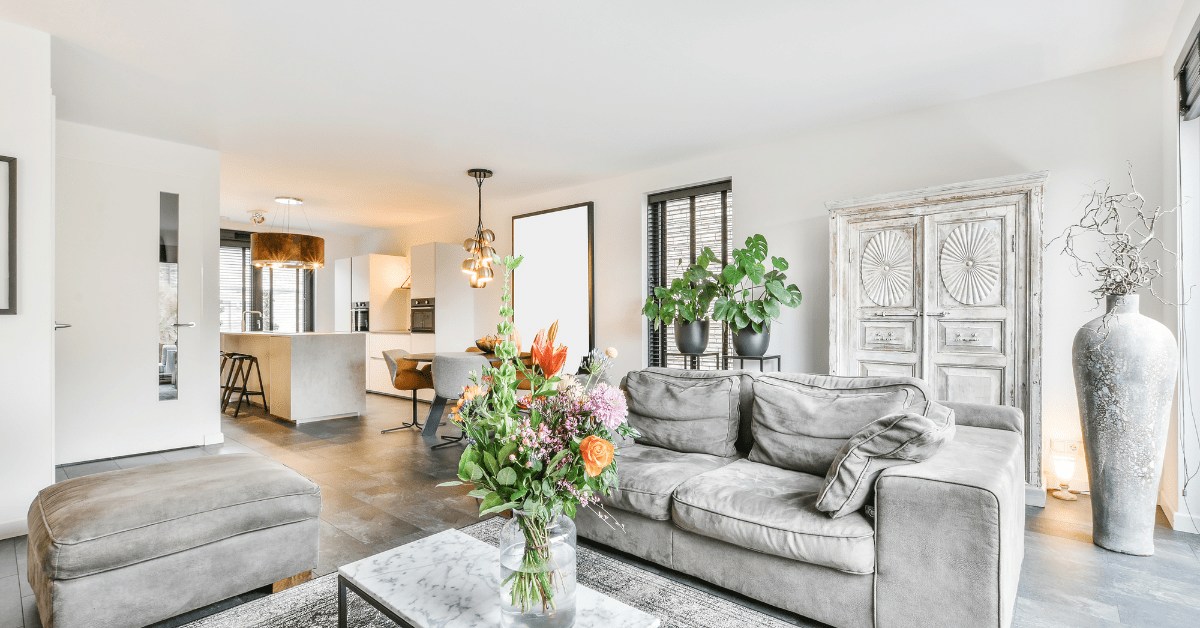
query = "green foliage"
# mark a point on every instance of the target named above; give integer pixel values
(688, 297)
(751, 295)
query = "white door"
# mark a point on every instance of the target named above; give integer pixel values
(136, 252)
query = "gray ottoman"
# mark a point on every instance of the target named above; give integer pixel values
(130, 548)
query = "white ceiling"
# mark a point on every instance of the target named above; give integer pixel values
(373, 111)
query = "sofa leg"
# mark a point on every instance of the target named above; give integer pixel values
(288, 583)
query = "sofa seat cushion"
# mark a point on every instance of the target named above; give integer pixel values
(647, 475)
(116, 519)
(773, 510)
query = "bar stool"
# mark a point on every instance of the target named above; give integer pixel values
(241, 366)
(226, 378)
(406, 376)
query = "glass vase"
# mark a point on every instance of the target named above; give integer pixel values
(537, 572)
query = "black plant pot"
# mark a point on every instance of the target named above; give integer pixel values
(691, 338)
(750, 343)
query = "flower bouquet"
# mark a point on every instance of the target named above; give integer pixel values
(542, 456)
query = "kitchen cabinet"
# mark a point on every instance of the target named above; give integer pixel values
(437, 274)
(375, 279)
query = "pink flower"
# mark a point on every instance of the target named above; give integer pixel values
(607, 405)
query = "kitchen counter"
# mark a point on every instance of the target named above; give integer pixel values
(310, 376)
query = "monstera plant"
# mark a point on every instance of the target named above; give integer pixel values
(685, 302)
(752, 296)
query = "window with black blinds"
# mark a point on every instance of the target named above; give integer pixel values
(679, 225)
(283, 295)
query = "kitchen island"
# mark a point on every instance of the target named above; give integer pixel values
(310, 376)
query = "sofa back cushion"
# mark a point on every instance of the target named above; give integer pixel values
(801, 421)
(745, 439)
(685, 414)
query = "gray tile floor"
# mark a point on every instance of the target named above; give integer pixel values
(379, 492)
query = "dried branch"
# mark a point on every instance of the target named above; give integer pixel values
(1124, 265)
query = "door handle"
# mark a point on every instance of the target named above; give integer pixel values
(58, 325)
(183, 325)
(934, 314)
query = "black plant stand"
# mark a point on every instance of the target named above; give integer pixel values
(762, 361)
(693, 359)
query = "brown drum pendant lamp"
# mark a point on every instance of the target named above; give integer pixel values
(287, 249)
(479, 265)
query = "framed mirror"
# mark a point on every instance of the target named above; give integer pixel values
(168, 296)
(555, 280)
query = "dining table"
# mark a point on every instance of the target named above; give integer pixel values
(438, 406)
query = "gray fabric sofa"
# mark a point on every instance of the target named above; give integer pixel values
(128, 548)
(939, 546)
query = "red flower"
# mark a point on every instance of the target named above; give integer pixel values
(546, 355)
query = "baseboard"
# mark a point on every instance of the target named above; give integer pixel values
(16, 527)
(1036, 495)
(1180, 520)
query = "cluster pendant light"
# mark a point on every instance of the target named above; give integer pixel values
(479, 265)
(287, 249)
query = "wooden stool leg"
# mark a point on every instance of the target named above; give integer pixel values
(235, 367)
(245, 388)
(258, 371)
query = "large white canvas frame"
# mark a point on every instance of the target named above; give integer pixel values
(554, 282)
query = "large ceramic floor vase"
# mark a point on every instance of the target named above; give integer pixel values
(1125, 367)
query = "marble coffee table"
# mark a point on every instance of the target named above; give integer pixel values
(451, 580)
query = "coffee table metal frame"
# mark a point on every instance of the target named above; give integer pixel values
(343, 608)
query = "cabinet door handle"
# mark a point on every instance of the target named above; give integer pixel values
(58, 325)
(183, 325)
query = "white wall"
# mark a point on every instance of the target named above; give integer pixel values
(336, 247)
(107, 228)
(26, 339)
(1183, 187)
(1081, 129)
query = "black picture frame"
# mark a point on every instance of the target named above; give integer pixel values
(11, 166)
(591, 236)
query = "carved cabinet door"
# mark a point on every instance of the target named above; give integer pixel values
(969, 318)
(885, 297)
(931, 295)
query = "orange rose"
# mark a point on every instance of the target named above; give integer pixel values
(597, 454)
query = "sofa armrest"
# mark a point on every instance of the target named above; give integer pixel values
(1005, 418)
(949, 534)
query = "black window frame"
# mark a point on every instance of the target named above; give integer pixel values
(658, 351)
(306, 288)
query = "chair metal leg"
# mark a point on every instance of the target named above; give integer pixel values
(415, 423)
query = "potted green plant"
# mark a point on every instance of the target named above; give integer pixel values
(752, 296)
(685, 303)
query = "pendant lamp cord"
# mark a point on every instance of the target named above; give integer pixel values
(479, 226)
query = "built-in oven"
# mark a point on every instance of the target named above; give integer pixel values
(422, 316)
(360, 316)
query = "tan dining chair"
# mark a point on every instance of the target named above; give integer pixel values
(406, 376)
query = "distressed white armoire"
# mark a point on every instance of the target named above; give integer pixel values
(944, 284)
